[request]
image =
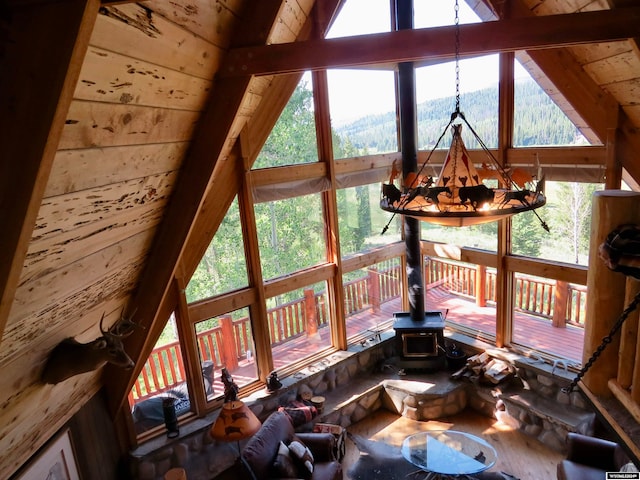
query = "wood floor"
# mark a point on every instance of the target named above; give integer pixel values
(518, 454)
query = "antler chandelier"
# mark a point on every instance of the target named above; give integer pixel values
(458, 196)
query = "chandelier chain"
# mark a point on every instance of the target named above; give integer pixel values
(457, 45)
(605, 342)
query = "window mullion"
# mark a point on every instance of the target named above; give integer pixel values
(258, 309)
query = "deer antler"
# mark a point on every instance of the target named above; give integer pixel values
(123, 327)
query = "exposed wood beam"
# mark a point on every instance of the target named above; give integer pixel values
(198, 168)
(594, 105)
(259, 128)
(258, 310)
(433, 43)
(29, 141)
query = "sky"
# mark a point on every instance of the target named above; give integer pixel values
(356, 93)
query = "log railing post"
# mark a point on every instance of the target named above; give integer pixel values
(560, 304)
(310, 313)
(373, 288)
(628, 361)
(481, 285)
(229, 352)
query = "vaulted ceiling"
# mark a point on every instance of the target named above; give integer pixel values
(125, 128)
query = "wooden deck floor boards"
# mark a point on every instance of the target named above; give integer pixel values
(528, 332)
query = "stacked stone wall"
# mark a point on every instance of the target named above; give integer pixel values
(355, 384)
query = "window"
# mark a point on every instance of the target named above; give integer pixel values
(299, 324)
(293, 138)
(483, 236)
(163, 375)
(456, 289)
(291, 235)
(223, 267)
(363, 112)
(371, 296)
(531, 104)
(568, 214)
(361, 221)
(549, 316)
(226, 341)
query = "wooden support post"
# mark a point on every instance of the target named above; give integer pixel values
(635, 381)
(335, 287)
(605, 302)
(229, 351)
(560, 304)
(628, 339)
(481, 285)
(310, 313)
(373, 288)
(613, 165)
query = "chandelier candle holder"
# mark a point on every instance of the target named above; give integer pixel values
(458, 196)
(462, 194)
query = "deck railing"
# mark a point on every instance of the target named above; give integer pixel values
(164, 368)
(534, 295)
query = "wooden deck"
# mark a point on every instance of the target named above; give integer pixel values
(529, 332)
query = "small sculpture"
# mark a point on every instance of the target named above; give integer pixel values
(273, 383)
(230, 387)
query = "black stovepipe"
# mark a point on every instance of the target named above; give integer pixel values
(409, 149)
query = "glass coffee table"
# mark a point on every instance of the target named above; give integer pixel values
(442, 453)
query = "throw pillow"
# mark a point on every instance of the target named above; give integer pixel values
(302, 456)
(300, 412)
(283, 466)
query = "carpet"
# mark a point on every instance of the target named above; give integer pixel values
(380, 461)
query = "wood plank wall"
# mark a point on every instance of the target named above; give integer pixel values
(145, 79)
(142, 85)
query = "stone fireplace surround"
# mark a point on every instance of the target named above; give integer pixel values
(359, 381)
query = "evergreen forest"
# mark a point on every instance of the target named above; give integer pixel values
(291, 230)
(538, 121)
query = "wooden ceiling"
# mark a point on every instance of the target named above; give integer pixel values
(120, 152)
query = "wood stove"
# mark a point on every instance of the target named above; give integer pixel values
(420, 344)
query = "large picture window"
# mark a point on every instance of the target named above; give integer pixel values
(299, 324)
(223, 267)
(291, 235)
(320, 235)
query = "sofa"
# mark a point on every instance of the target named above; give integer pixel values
(262, 453)
(590, 457)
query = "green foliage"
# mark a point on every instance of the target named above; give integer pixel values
(538, 121)
(571, 217)
(526, 234)
(290, 235)
(293, 138)
(223, 266)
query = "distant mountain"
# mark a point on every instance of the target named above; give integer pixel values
(538, 121)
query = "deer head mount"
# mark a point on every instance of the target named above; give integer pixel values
(70, 357)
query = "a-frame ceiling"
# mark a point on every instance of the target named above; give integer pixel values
(120, 152)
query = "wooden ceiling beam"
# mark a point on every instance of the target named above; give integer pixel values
(434, 43)
(54, 37)
(150, 298)
(595, 106)
(259, 127)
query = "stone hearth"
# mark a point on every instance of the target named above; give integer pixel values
(364, 379)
